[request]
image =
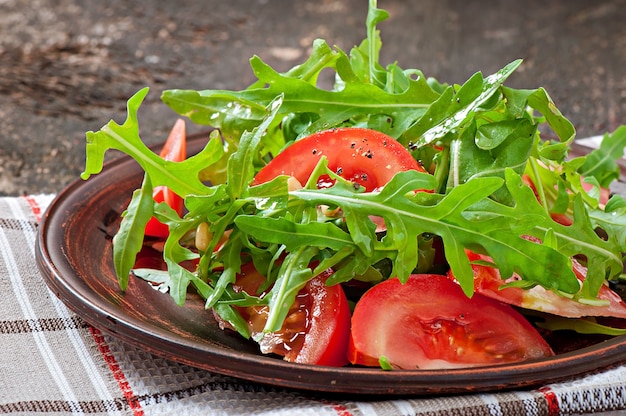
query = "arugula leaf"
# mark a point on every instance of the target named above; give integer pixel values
(384, 363)
(230, 315)
(354, 100)
(294, 235)
(603, 256)
(293, 275)
(600, 163)
(541, 101)
(241, 163)
(180, 177)
(160, 279)
(612, 220)
(453, 108)
(581, 326)
(502, 145)
(128, 240)
(174, 254)
(231, 254)
(374, 16)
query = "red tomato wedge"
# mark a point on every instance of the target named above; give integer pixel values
(366, 157)
(175, 150)
(488, 282)
(429, 323)
(317, 327)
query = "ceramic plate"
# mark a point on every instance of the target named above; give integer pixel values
(75, 257)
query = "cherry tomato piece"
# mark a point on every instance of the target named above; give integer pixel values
(317, 328)
(175, 150)
(488, 282)
(428, 322)
(363, 156)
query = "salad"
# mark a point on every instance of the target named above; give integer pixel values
(391, 221)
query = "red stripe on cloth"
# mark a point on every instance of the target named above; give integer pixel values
(34, 207)
(337, 407)
(131, 398)
(552, 401)
(341, 410)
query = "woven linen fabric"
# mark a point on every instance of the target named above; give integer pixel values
(52, 362)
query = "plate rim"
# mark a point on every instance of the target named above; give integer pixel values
(53, 262)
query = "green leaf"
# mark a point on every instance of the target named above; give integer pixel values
(160, 279)
(293, 275)
(165, 214)
(241, 163)
(374, 16)
(293, 235)
(174, 254)
(209, 204)
(516, 101)
(612, 220)
(580, 238)
(362, 230)
(581, 326)
(492, 135)
(129, 238)
(541, 101)
(230, 315)
(231, 257)
(384, 363)
(508, 147)
(180, 279)
(355, 100)
(322, 56)
(452, 110)
(180, 177)
(601, 163)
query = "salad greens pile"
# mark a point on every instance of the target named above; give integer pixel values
(477, 140)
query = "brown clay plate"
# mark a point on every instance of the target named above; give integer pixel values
(74, 256)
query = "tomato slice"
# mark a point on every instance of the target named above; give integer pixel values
(175, 150)
(429, 323)
(366, 157)
(488, 282)
(317, 327)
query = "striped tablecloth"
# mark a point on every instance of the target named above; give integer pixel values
(52, 362)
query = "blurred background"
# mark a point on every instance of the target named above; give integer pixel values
(68, 66)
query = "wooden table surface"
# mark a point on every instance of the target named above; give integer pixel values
(68, 66)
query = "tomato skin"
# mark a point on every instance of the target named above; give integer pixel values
(326, 341)
(429, 323)
(366, 157)
(488, 282)
(175, 150)
(317, 328)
